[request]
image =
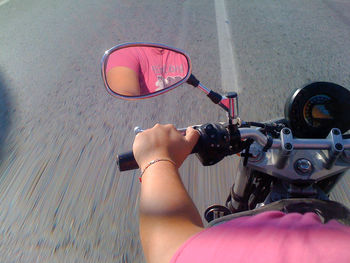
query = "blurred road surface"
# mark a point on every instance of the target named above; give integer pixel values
(61, 196)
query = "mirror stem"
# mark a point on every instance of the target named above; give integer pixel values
(213, 96)
(233, 106)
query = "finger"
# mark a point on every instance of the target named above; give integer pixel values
(192, 136)
(170, 126)
(156, 125)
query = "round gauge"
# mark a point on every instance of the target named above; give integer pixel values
(314, 110)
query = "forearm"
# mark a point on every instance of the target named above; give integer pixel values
(164, 195)
(168, 216)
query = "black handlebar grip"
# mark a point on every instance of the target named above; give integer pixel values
(126, 161)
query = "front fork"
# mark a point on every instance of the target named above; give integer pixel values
(237, 199)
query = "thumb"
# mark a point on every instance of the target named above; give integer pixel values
(192, 136)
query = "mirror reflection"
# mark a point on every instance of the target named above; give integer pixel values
(143, 70)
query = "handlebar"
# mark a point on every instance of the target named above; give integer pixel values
(301, 144)
(334, 141)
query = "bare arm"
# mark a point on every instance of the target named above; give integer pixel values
(124, 81)
(168, 216)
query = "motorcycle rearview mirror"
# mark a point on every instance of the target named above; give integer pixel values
(144, 70)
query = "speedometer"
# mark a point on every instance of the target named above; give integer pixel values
(317, 108)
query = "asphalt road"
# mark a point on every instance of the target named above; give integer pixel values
(61, 196)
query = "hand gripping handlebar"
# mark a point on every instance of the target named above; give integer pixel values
(334, 143)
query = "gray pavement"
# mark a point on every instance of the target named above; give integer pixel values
(61, 196)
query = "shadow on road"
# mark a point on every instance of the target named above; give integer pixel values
(5, 114)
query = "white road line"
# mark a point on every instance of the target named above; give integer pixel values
(229, 76)
(3, 2)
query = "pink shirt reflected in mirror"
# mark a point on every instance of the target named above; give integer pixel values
(156, 68)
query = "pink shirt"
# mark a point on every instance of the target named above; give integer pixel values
(269, 237)
(157, 68)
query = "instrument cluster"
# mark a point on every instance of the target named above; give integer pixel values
(315, 109)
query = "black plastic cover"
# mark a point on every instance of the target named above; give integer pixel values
(213, 144)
